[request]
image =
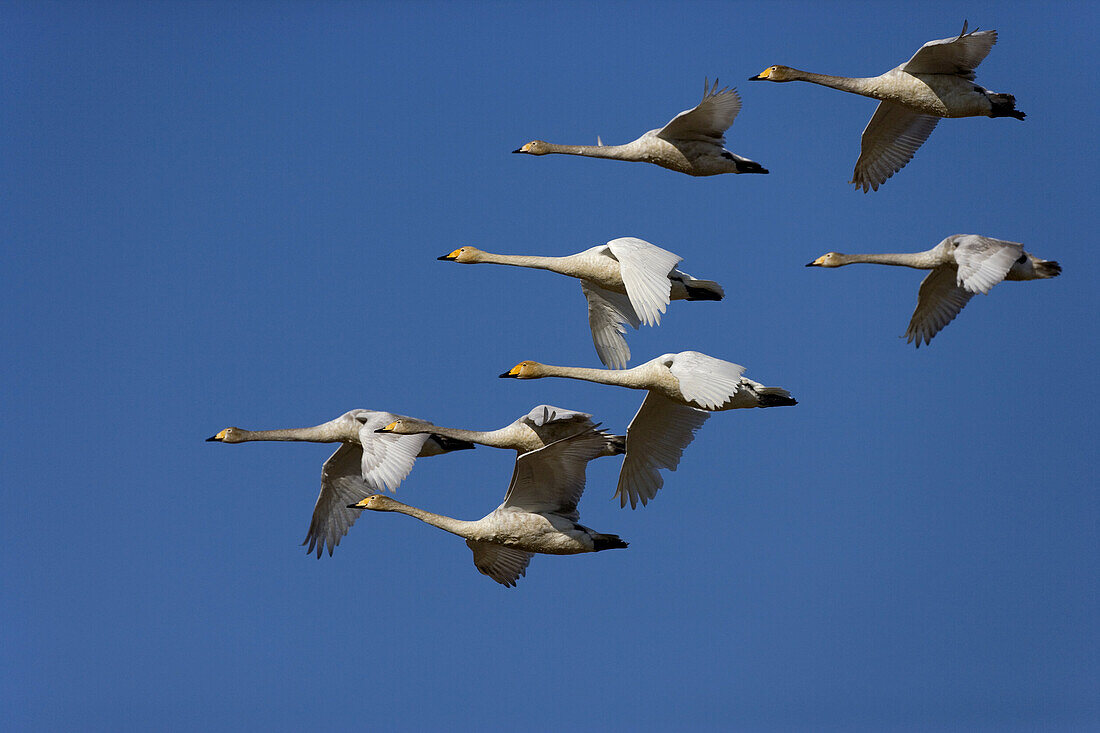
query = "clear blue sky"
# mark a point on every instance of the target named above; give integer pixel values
(228, 214)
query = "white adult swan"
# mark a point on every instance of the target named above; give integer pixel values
(937, 82)
(626, 281)
(363, 464)
(541, 426)
(683, 389)
(692, 142)
(961, 265)
(539, 512)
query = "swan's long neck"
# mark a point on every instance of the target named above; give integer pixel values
(864, 86)
(491, 438)
(917, 260)
(318, 434)
(562, 265)
(447, 524)
(615, 152)
(617, 377)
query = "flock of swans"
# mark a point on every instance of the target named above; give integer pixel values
(629, 281)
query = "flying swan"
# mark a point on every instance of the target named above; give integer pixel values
(937, 82)
(363, 464)
(692, 142)
(626, 281)
(683, 389)
(961, 265)
(539, 513)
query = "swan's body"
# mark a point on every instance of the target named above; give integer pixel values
(692, 142)
(937, 82)
(626, 281)
(364, 463)
(540, 427)
(683, 389)
(539, 513)
(961, 265)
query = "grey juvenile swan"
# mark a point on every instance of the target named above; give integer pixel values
(626, 281)
(961, 265)
(692, 142)
(683, 389)
(937, 82)
(363, 464)
(538, 515)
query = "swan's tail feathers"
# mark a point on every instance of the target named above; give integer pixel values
(615, 446)
(1004, 105)
(608, 542)
(775, 397)
(1046, 268)
(750, 166)
(449, 444)
(703, 289)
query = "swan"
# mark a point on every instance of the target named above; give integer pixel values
(961, 265)
(543, 425)
(692, 142)
(683, 389)
(626, 281)
(937, 82)
(539, 513)
(364, 463)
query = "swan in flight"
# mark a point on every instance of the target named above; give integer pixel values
(538, 428)
(961, 265)
(539, 513)
(683, 389)
(937, 82)
(363, 464)
(692, 142)
(626, 281)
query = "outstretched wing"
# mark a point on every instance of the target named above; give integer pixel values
(644, 268)
(708, 120)
(959, 55)
(387, 458)
(551, 479)
(608, 315)
(655, 439)
(545, 414)
(704, 380)
(889, 141)
(940, 299)
(503, 564)
(341, 484)
(983, 262)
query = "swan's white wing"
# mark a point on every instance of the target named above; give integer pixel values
(341, 484)
(387, 458)
(704, 380)
(546, 414)
(608, 315)
(551, 479)
(959, 55)
(983, 262)
(889, 141)
(655, 439)
(708, 120)
(503, 564)
(938, 302)
(644, 268)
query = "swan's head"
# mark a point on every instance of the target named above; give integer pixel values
(774, 73)
(377, 503)
(229, 435)
(524, 370)
(535, 147)
(404, 426)
(829, 259)
(465, 255)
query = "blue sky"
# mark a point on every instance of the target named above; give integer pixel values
(228, 214)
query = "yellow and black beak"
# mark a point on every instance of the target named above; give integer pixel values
(216, 438)
(386, 429)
